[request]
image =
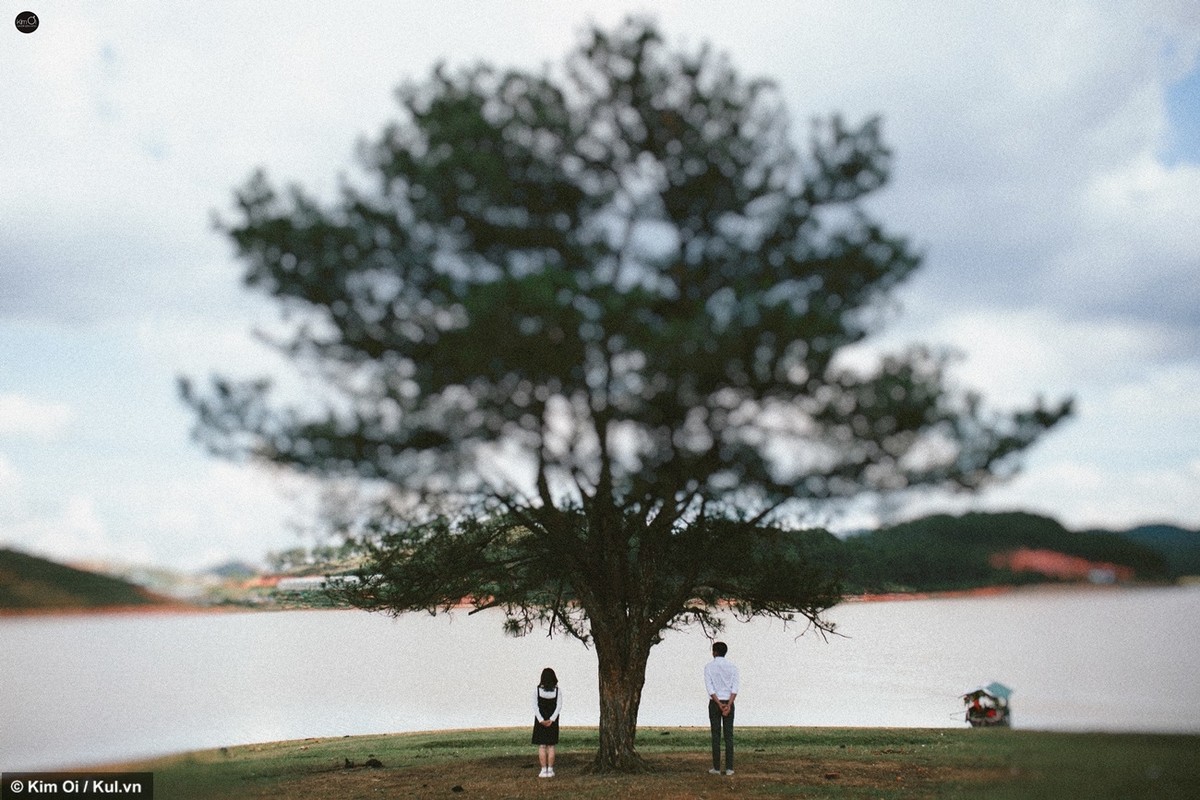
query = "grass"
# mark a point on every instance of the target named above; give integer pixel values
(771, 763)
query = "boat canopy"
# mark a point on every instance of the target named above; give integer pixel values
(998, 690)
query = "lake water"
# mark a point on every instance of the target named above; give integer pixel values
(84, 690)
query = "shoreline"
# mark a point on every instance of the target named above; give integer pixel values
(997, 591)
(181, 607)
(150, 609)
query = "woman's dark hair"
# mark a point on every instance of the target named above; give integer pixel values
(549, 679)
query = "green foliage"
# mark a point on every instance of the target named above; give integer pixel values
(708, 567)
(317, 560)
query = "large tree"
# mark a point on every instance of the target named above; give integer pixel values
(599, 307)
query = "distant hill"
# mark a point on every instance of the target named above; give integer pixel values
(1179, 547)
(954, 552)
(29, 583)
(236, 570)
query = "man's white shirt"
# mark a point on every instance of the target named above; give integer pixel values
(721, 678)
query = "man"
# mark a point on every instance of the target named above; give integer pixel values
(721, 681)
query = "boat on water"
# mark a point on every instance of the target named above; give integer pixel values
(988, 706)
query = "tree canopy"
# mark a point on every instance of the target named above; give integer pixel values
(600, 307)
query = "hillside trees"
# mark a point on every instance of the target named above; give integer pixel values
(590, 318)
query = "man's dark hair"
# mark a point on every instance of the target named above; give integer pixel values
(720, 649)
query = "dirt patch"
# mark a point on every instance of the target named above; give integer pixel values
(673, 777)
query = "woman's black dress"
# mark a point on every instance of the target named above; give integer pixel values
(547, 703)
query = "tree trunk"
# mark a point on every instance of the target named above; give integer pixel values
(622, 670)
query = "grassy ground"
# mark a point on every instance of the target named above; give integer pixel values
(772, 763)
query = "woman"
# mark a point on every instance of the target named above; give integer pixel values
(547, 704)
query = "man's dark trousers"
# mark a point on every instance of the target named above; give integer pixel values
(719, 723)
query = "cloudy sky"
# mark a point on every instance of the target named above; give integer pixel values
(1047, 162)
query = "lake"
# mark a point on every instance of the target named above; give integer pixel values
(82, 690)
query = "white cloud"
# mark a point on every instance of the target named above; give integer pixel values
(1135, 252)
(67, 526)
(1061, 253)
(1003, 119)
(1014, 355)
(1094, 495)
(1128, 456)
(10, 484)
(71, 531)
(1081, 495)
(198, 345)
(22, 416)
(223, 511)
(188, 521)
